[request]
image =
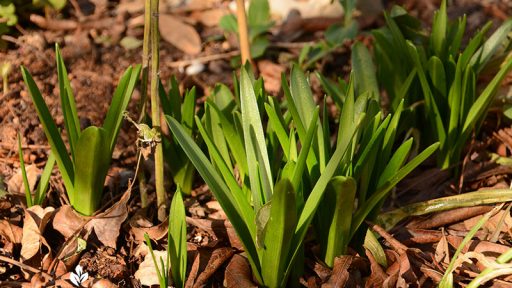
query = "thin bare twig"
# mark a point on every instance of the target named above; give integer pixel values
(24, 266)
(203, 59)
(243, 33)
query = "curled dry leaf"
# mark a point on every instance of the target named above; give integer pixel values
(448, 217)
(271, 72)
(11, 232)
(442, 253)
(210, 18)
(377, 275)
(215, 260)
(140, 225)
(15, 184)
(222, 230)
(106, 225)
(181, 35)
(499, 222)
(146, 273)
(340, 274)
(34, 224)
(238, 273)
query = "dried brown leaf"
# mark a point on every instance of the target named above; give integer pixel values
(321, 270)
(139, 225)
(271, 72)
(485, 247)
(222, 230)
(378, 275)
(442, 253)
(448, 217)
(146, 273)
(15, 184)
(340, 274)
(34, 224)
(218, 212)
(181, 35)
(103, 283)
(210, 18)
(106, 225)
(11, 232)
(215, 260)
(238, 273)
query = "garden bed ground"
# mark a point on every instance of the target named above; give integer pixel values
(418, 248)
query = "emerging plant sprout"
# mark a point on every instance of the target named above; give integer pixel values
(83, 168)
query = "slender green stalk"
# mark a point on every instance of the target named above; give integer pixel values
(28, 195)
(242, 32)
(155, 109)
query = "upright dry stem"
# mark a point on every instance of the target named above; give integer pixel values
(243, 32)
(5, 70)
(155, 110)
(145, 60)
(144, 93)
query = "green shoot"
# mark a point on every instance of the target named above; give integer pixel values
(84, 172)
(176, 246)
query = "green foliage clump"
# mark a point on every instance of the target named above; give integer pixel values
(181, 168)
(91, 149)
(437, 79)
(271, 165)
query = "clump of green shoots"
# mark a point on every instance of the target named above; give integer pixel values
(373, 164)
(176, 247)
(91, 149)
(432, 74)
(183, 110)
(269, 169)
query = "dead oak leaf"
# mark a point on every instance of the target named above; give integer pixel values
(11, 232)
(15, 184)
(340, 274)
(181, 35)
(106, 225)
(238, 273)
(34, 223)
(139, 225)
(146, 273)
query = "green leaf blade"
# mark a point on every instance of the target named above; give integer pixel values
(255, 146)
(177, 240)
(281, 224)
(120, 100)
(58, 148)
(91, 163)
(67, 100)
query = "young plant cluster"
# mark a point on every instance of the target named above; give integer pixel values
(91, 149)
(437, 79)
(271, 165)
